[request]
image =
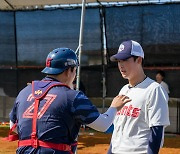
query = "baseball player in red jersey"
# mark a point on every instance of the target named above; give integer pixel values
(48, 113)
(139, 125)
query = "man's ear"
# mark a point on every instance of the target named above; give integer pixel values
(139, 60)
(67, 72)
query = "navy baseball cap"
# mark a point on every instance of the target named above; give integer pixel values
(128, 49)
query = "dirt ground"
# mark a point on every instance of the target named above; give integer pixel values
(96, 143)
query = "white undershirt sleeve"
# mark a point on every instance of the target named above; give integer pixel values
(11, 125)
(104, 121)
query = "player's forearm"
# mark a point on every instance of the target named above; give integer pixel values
(104, 121)
(155, 139)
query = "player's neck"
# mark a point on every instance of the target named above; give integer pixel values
(137, 79)
(59, 77)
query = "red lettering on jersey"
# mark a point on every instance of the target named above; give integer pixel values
(123, 110)
(135, 112)
(48, 100)
(129, 111)
(118, 113)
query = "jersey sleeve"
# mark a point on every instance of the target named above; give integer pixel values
(158, 112)
(155, 139)
(83, 109)
(104, 121)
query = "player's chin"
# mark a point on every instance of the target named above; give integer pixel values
(124, 76)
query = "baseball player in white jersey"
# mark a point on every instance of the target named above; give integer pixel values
(139, 125)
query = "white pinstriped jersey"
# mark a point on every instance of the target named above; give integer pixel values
(149, 107)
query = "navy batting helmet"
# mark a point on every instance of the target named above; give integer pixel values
(59, 60)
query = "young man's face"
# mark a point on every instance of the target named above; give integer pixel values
(159, 78)
(127, 68)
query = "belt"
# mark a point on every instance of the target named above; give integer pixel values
(30, 142)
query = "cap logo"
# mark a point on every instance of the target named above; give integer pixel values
(48, 62)
(121, 48)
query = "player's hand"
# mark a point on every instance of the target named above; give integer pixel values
(119, 101)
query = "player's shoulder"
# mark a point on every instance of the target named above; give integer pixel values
(76, 94)
(150, 83)
(26, 89)
(72, 92)
(23, 94)
(154, 86)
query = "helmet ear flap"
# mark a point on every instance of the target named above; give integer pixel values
(59, 60)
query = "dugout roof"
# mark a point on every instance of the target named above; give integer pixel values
(34, 4)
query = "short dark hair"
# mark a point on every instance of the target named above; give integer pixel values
(135, 57)
(162, 73)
